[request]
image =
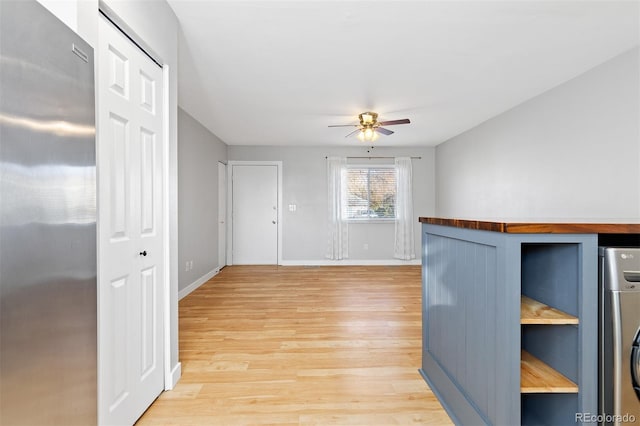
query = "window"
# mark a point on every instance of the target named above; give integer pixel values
(371, 193)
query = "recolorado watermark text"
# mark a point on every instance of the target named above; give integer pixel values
(605, 418)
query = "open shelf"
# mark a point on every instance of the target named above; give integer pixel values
(538, 377)
(545, 342)
(534, 312)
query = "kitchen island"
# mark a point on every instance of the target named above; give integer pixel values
(510, 318)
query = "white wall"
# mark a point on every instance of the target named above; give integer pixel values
(157, 25)
(199, 151)
(305, 232)
(65, 10)
(570, 153)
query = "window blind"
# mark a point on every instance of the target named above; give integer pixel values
(371, 193)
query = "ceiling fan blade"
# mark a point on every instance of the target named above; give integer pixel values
(343, 125)
(383, 131)
(392, 122)
(352, 133)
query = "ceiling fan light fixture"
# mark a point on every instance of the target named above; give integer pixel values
(368, 118)
(367, 134)
(369, 126)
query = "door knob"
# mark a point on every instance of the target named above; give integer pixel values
(143, 253)
(273, 221)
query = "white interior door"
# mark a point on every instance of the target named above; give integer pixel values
(255, 214)
(222, 215)
(130, 221)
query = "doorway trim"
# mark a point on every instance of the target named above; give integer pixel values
(230, 165)
(171, 375)
(222, 224)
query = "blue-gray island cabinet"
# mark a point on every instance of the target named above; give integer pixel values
(509, 319)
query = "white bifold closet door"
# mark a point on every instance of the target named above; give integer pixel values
(130, 221)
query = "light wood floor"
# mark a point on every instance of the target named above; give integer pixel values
(297, 345)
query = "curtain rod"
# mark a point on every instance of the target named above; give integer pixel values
(413, 158)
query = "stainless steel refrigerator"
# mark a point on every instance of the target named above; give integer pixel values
(48, 321)
(619, 335)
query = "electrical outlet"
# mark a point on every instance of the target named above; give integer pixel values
(366, 246)
(191, 265)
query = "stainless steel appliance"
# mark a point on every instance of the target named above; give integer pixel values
(619, 335)
(47, 221)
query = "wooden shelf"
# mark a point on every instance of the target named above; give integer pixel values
(534, 312)
(538, 377)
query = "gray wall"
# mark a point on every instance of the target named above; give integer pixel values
(570, 153)
(199, 151)
(304, 174)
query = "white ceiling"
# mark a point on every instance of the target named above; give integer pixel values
(278, 73)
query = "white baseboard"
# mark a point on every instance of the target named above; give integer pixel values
(197, 283)
(351, 262)
(176, 373)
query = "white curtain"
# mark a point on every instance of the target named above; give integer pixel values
(404, 244)
(338, 247)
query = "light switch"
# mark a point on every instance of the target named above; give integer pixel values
(292, 207)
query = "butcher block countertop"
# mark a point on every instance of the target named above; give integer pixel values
(526, 227)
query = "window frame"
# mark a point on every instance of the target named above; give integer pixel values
(368, 220)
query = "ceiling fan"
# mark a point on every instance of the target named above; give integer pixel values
(369, 126)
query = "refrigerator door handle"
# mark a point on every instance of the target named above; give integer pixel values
(635, 365)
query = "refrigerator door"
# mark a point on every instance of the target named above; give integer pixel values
(47, 221)
(635, 364)
(619, 334)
